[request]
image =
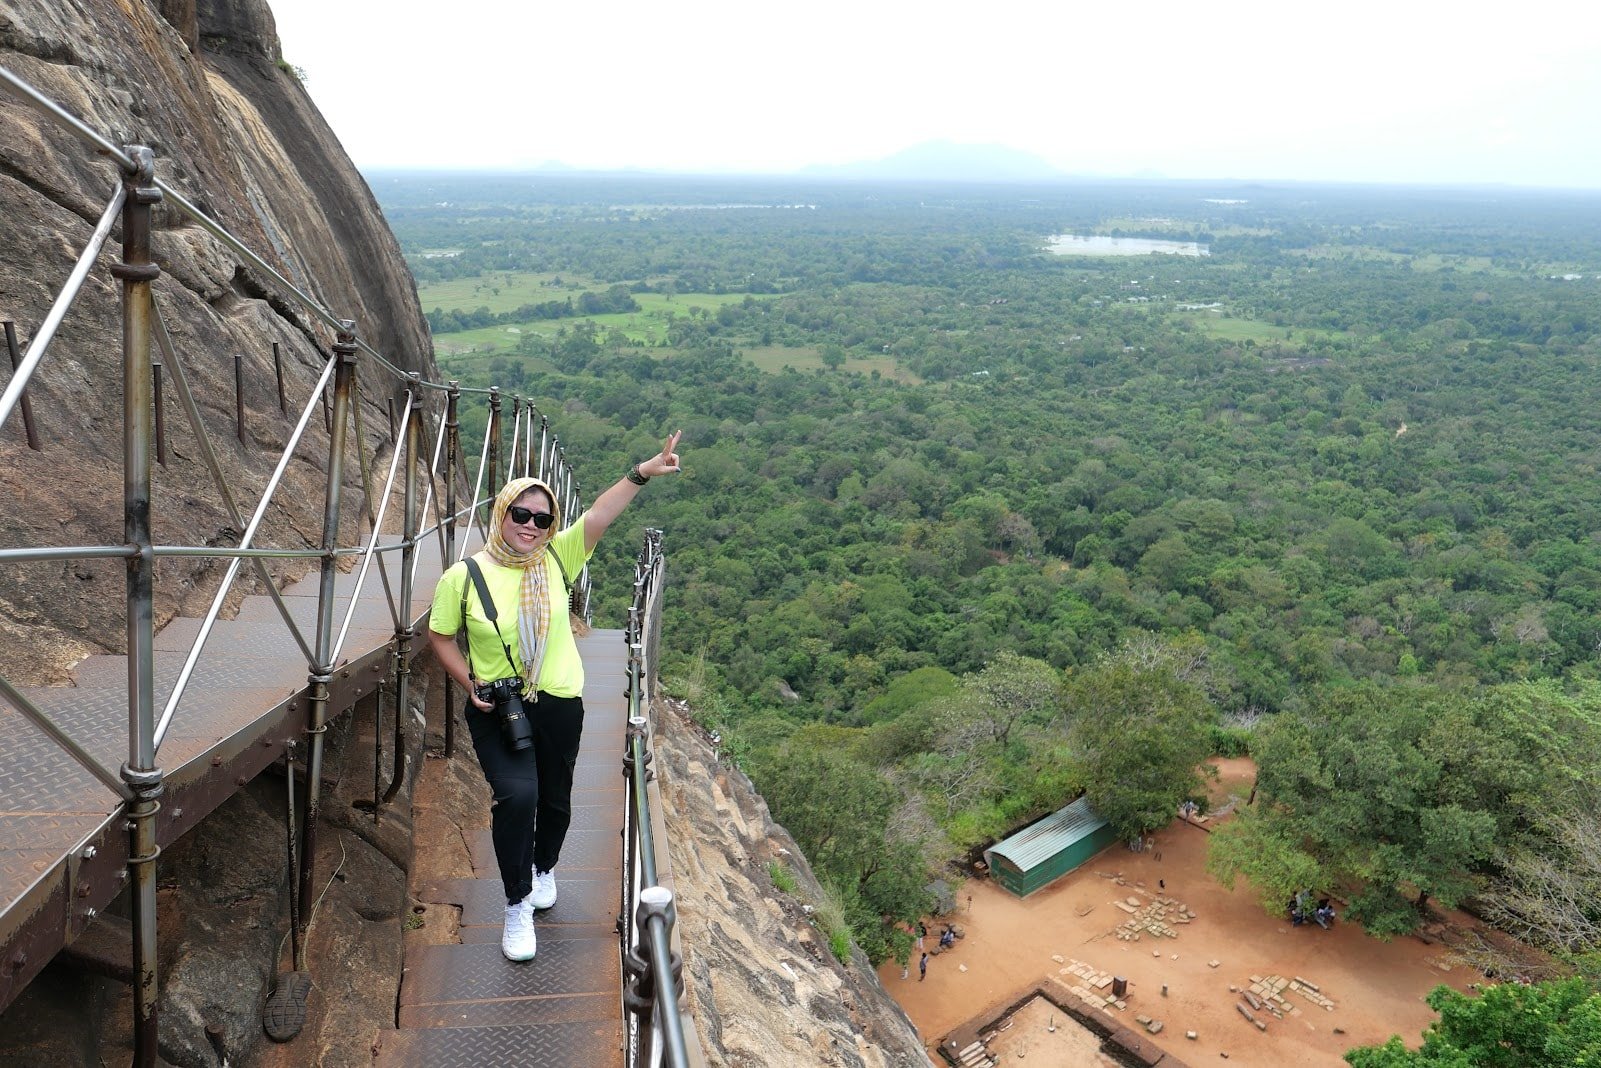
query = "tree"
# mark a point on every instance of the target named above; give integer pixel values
(1357, 789)
(839, 810)
(1544, 1025)
(1013, 689)
(1141, 735)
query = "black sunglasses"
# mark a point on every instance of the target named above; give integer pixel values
(519, 514)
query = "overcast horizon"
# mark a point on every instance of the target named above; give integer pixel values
(1372, 94)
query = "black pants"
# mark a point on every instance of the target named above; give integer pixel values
(533, 789)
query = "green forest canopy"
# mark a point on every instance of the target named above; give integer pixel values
(1351, 451)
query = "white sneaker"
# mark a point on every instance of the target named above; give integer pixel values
(543, 895)
(518, 941)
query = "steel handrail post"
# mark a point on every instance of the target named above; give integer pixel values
(528, 447)
(516, 436)
(452, 444)
(28, 427)
(137, 272)
(404, 632)
(322, 670)
(492, 490)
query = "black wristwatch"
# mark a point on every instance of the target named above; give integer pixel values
(635, 477)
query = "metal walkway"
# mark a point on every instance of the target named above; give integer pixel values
(63, 846)
(466, 1005)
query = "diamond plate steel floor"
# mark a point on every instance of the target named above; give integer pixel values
(467, 1005)
(63, 853)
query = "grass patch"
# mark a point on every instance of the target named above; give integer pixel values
(647, 326)
(1263, 333)
(828, 916)
(782, 877)
(1427, 261)
(774, 358)
(502, 291)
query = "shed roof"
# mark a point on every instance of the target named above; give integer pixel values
(1038, 843)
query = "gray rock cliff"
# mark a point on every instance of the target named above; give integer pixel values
(764, 988)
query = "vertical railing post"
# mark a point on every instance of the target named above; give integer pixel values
(322, 671)
(544, 445)
(137, 272)
(452, 444)
(278, 373)
(161, 414)
(491, 483)
(27, 407)
(239, 395)
(516, 427)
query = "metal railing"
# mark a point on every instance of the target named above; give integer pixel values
(431, 511)
(652, 969)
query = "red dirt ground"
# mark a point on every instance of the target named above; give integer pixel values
(1377, 987)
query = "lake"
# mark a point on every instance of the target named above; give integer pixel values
(1097, 245)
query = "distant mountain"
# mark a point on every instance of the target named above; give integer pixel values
(946, 161)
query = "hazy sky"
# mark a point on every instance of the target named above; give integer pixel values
(1400, 90)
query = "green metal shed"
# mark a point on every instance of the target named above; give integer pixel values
(1045, 851)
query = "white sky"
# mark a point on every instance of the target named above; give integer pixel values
(1430, 91)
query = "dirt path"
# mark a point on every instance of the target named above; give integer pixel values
(1377, 987)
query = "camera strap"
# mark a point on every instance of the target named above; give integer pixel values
(488, 602)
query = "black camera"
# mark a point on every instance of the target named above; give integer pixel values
(507, 697)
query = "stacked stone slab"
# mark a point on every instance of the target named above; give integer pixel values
(1266, 993)
(1093, 986)
(1312, 993)
(1154, 917)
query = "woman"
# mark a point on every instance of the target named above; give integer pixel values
(525, 569)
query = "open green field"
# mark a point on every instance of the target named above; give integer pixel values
(774, 358)
(502, 291)
(648, 326)
(1263, 333)
(1427, 261)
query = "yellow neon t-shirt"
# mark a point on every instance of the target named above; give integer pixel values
(562, 673)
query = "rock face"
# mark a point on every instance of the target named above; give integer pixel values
(199, 83)
(764, 987)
